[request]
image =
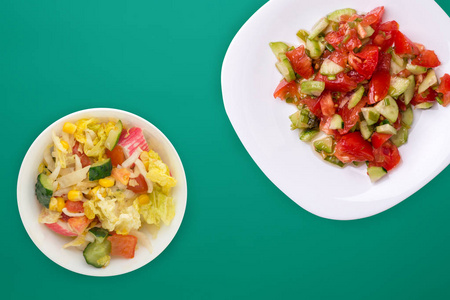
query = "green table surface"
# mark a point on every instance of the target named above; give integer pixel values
(241, 236)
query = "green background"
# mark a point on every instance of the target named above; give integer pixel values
(241, 237)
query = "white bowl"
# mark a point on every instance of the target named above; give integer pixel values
(51, 243)
(249, 78)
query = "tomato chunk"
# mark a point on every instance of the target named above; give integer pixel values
(386, 156)
(403, 45)
(379, 139)
(351, 116)
(138, 185)
(78, 224)
(427, 59)
(123, 245)
(301, 63)
(74, 206)
(117, 155)
(353, 147)
(286, 89)
(428, 96)
(313, 105)
(327, 104)
(373, 17)
(381, 79)
(384, 36)
(84, 159)
(342, 83)
(444, 88)
(365, 61)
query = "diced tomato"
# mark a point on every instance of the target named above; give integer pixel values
(401, 105)
(344, 39)
(381, 79)
(365, 61)
(64, 217)
(301, 63)
(84, 159)
(404, 73)
(138, 185)
(342, 83)
(403, 45)
(379, 139)
(398, 124)
(313, 105)
(444, 88)
(351, 116)
(427, 59)
(74, 206)
(327, 104)
(338, 58)
(117, 155)
(353, 147)
(286, 89)
(373, 17)
(386, 156)
(324, 125)
(123, 245)
(384, 36)
(122, 175)
(79, 224)
(355, 76)
(428, 96)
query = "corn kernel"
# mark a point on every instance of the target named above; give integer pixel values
(144, 199)
(75, 195)
(107, 182)
(60, 204)
(65, 144)
(53, 204)
(69, 128)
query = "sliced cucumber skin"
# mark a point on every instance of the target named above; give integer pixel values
(428, 81)
(365, 129)
(336, 122)
(398, 86)
(314, 88)
(409, 92)
(100, 233)
(100, 170)
(376, 173)
(368, 112)
(114, 136)
(401, 137)
(334, 160)
(315, 48)
(96, 251)
(285, 69)
(356, 97)
(416, 70)
(336, 15)
(388, 108)
(43, 191)
(278, 48)
(325, 144)
(318, 28)
(424, 105)
(329, 67)
(408, 116)
(386, 129)
(308, 134)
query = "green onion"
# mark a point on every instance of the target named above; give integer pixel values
(439, 100)
(330, 47)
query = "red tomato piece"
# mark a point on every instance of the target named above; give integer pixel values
(79, 224)
(379, 139)
(401, 105)
(373, 17)
(381, 79)
(138, 185)
(428, 96)
(355, 76)
(117, 155)
(339, 58)
(74, 206)
(427, 59)
(444, 88)
(351, 116)
(286, 89)
(384, 36)
(353, 147)
(85, 161)
(365, 61)
(123, 245)
(327, 104)
(324, 125)
(403, 45)
(398, 124)
(313, 105)
(300, 62)
(342, 83)
(386, 156)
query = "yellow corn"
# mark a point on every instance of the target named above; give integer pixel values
(53, 204)
(60, 204)
(65, 144)
(107, 182)
(144, 199)
(70, 128)
(75, 195)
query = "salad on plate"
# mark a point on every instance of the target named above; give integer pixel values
(355, 81)
(101, 184)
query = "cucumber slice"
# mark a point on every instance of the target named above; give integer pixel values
(315, 48)
(375, 173)
(386, 129)
(311, 87)
(113, 136)
(334, 160)
(329, 67)
(356, 97)
(416, 70)
(303, 35)
(100, 233)
(336, 15)
(428, 81)
(336, 122)
(388, 108)
(401, 137)
(278, 48)
(366, 130)
(371, 115)
(308, 134)
(395, 69)
(398, 86)
(424, 105)
(44, 189)
(100, 170)
(398, 60)
(325, 145)
(303, 119)
(319, 27)
(369, 31)
(409, 92)
(97, 254)
(408, 116)
(285, 68)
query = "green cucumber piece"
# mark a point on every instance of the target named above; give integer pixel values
(334, 160)
(386, 129)
(329, 67)
(428, 81)
(408, 116)
(303, 35)
(375, 173)
(409, 92)
(371, 115)
(97, 254)
(398, 86)
(398, 60)
(388, 108)
(100, 170)
(113, 136)
(44, 189)
(356, 97)
(369, 31)
(401, 137)
(311, 87)
(285, 68)
(325, 145)
(278, 48)
(100, 233)
(318, 28)
(424, 105)
(366, 130)
(308, 134)
(336, 122)
(336, 15)
(395, 69)
(416, 70)
(315, 48)
(303, 119)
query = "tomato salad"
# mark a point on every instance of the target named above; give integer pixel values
(356, 79)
